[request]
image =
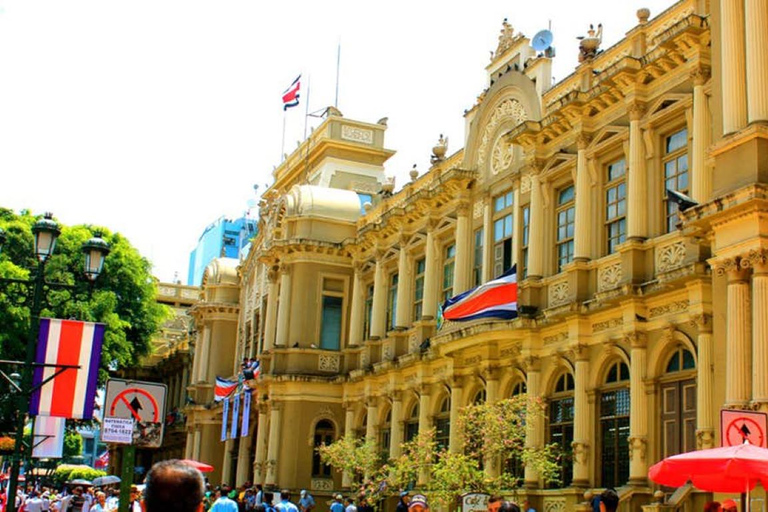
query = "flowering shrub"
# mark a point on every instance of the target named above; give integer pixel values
(7, 444)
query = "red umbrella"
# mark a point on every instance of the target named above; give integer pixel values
(201, 466)
(728, 469)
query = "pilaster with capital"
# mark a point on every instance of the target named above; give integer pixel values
(396, 439)
(581, 419)
(759, 262)
(733, 66)
(429, 308)
(270, 320)
(357, 313)
(637, 188)
(273, 449)
(372, 407)
(487, 241)
(261, 445)
(404, 280)
(638, 409)
(701, 174)
(756, 14)
(284, 308)
(582, 250)
(349, 433)
(461, 274)
(457, 395)
(534, 425)
(379, 307)
(536, 243)
(425, 424)
(705, 420)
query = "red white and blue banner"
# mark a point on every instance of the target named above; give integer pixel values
(494, 299)
(246, 425)
(223, 389)
(102, 461)
(291, 94)
(72, 392)
(224, 414)
(235, 415)
(48, 441)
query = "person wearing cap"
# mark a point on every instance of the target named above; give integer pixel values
(729, 506)
(337, 505)
(350, 502)
(402, 505)
(306, 501)
(418, 503)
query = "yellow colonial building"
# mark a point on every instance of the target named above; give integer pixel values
(637, 323)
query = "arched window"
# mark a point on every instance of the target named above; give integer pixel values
(614, 426)
(519, 388)
(412, 424)
(385, 436)
(324, 435)
(480, 397)
(561, 425)
(678, 403)
(443, 424)
(360, 432)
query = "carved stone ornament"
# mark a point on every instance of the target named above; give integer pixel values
(705, 439)
(321, 484)
(607, 324)
(386, 352)
(580, 452)
(507, 109)
(328, 363)
(559, 293)
(552, 504)
(637, 445)
(525, 183)
(668, 309)
(502, 155)
(608, 277)
(477, 210)
(356, 134)
(669, 257)
(413, 342)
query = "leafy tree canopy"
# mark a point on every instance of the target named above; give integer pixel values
(123, 297)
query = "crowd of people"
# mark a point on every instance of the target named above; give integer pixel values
(70, 499)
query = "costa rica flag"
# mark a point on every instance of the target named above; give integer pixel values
(494, 299)
(223, 389)
(71, 393)
(291, 94)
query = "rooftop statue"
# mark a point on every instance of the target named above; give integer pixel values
(589, 45)
(506, 38)
(439, 151)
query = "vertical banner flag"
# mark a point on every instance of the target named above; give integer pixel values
(235, 415)
(102, 461)
(48, 439)
(224, 414)
(291, 94)
(72, 392)
(246, 425)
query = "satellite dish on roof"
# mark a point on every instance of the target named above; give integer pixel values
(542, 40)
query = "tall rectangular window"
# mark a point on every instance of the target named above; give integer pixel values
(675, 172)
(477, 268)
(392, 302)
(566, 216)
(616, 205)
(448, 269)
(418, 289)
(368, 311)
(525, 237)
(503, 222)
(330, 326)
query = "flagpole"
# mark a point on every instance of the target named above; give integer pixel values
(338, 65)
(282, 144)
(306, 107)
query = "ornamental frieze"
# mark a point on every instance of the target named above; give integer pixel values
(607, 324)
(608, 277)
(668, 309)
(670, 256)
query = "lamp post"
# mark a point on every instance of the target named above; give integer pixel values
(46, 231)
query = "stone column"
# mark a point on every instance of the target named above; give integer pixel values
(705, 377)
(243, 460)
(270, 320)
(424, 425)
(404, 303)
(535, 243)
(396, 438)
(757, 62)
(638, 411)
(431, 274)
(184, 384)
(205, 353)
(190, 444)
(373, 419)
(738, 367)
(196, 442)
(637, 188)
(534, 426)
(284, 310)
(491, 397)
(582, 249)
(349, 433)
(581, 433)
(357, 313)
(759, 261)
(701, 176)
(379, 308)
(454, 441)
(487, 241)
(273, 450)
(732, 65)
(461, 273)
(226, 465)
(261, 446)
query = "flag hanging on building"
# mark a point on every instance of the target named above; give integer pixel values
(102, 461)
(48, 442)
(223, 389)
(71, 393)
(235, 415)
(247, 396)
(291, 94)
(224, 415)
(494, 299)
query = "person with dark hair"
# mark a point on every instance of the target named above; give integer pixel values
(173, 486)
(508, 506)
(712, 506)
(494, 502)
(609, 500)
(224, 503)
(285, 504)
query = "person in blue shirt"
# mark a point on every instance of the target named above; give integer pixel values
(285, 504)
(224, 503)
(306, 502)
(337, 505)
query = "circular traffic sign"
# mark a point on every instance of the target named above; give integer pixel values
(741, 429)
(134, 404)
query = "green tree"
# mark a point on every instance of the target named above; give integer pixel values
(73, 444)
(123, 297)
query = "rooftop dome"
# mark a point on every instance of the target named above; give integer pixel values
(323, 202)
(221, 271)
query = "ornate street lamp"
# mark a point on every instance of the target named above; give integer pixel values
(46, 232)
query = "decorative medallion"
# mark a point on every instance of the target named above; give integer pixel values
(507, 109)
(608, 277)
(328, 363)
